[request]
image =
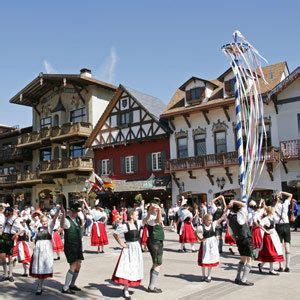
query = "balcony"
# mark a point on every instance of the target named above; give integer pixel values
(28, 178)
(55, 133)
(211, 161)
(8, 180)
(66, 165)
(290, 149)
(14, 154)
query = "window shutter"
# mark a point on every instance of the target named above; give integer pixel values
(118, 119)
(163, 159)
(111, 166)
(123, 169)
(149, 162)
(135, 164)
(131, 116)
(99, 169)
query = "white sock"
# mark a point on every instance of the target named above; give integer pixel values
(126, 291)
(287, 260)
(208, 273)
(75, 275)
(40, 285)
(25, 267)
(68, 280)
(182, 246)
(271, 267)
(193, 247)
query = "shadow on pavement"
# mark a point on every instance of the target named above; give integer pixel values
(106, 290)
(187, 277)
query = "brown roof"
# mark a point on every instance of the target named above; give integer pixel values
(272, 75)
(43, 83)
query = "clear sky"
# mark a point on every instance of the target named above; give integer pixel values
(152, 46)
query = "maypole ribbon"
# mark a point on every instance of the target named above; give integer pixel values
(251, 135)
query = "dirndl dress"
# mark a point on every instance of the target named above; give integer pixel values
(24, 251)
(129, 268)
(256, 237)
(229, 240)
(208, 255)
(57, 243)
(187, 233)
(144, 236)
(42, 260)
(98, 234)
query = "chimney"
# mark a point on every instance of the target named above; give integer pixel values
(86, 72)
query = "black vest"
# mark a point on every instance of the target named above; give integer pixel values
(239, 231)
(218, 214)
(271, 226)
(208, 233)
(43, 234)
(132, 235)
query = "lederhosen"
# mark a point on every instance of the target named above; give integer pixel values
(242, 236)
(216, 216)
(73, 241)
(132, 235)
(155, 243)
(283, 229)
(6, 241)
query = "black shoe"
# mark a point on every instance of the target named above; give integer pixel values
(280, 270)
(57, 258)
(11, 279)
(68, 291)
(24, 275)
(180, 251)
(260, 268)
(75, 288)
(237, 281)
(246, 283)
(155, 291)
(194, 251)
(38, 293)
(287, 270)
(273, 273)
(231, 251)
(184, 249)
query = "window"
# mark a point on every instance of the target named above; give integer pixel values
(105, 168)
(78, 115)
(229, 87)
(45, 154)
(125, 118)
(182, 147)
(76, 151)
(220, 142)
(200, 144)
(156, 161)
(129, 166)
(46, 122)
(268, 132)
(195, 94)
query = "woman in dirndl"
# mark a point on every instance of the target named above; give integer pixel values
(42, 260)
(271, 250)
(208, 256)
(57, 243)
(129, 269)
(99, 235)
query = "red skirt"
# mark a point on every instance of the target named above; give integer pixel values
(57, 243)
(123, 281)
(256, 237)
(229, 240)
(144, 236)
(99, 240)
(200, 257)
(268, 252)
(24, 254)
(188, 234)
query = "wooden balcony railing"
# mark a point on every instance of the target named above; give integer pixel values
(15, 154)
(64, 131)
(290, 149)
(28, 177)
(8, 180)
(211, 161)
(66, 165)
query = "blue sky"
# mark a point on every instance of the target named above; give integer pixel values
(152, 46)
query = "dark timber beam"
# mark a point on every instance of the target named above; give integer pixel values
(274, 99)
(191, 175)
(175, 179)
(187, 120)
(210, 177)
(79, 93)
(205, 112)
(229, 175)
(270, 170)
(284, 164)
(225, 109)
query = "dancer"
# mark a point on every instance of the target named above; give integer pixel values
(57, 243)
(155, 242)
(114, 217)
(99, 235)
(129, 269)
(186, 230)
(12, 228)
(238, 224)
(271, 250)
(42, 259)
(209, 256)
(218, 206)
(282, 209)
(72, 247)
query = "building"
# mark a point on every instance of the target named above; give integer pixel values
(65, 107)
(286, 97)
(131, 144)
(12, 161)
(203, 143)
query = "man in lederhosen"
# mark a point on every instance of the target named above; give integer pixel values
(154, 223)
(73, 246)
(11, 229)
(238, 223)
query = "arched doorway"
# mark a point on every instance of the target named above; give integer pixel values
(45, 199)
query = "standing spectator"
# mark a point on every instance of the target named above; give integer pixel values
(296, 215)
(114, 216)
(163, 214)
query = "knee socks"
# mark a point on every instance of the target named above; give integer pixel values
(240, 269)
(68, 280)
(75, 275)
(153, 278)
(247, 269)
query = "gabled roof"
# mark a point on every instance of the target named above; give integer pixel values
(44, 83)
(193, 78)
(151, 104)
(285, 82)
(273, 74)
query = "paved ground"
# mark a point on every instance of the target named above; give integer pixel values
(179, 278)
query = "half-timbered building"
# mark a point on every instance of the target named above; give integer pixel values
(203, 143)
(131, 144)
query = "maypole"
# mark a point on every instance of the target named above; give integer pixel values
(246, 65)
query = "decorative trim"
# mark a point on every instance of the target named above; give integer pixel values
(217, 126)
(199, 130)
(181, 133)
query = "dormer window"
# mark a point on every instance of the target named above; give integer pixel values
(195, 94)
(229, 87)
